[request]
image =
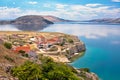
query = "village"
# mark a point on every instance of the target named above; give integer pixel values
(54, 45)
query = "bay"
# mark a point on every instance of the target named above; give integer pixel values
(102, 41)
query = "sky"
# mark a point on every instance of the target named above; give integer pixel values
(67, 9)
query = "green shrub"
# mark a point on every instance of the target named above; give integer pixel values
(9, 58)
(21, 51)
(47, 70)
(70, 41)
(8, 45)
(85, 69)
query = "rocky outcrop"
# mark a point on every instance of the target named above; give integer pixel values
(76, 48)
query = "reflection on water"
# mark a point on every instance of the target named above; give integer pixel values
(102, 42)
(21, 27)
(85, 30)
(8, 28)
(30, 27)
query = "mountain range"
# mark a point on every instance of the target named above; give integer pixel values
(40, 21)
(106, 20)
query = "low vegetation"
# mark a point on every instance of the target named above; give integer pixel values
(70, 41)
(47, 70)
(8, 58)
(8, 45)
(23, 53)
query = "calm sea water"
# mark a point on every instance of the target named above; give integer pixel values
(103, 47)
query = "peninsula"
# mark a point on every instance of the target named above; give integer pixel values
(18, 47)
(61, 47)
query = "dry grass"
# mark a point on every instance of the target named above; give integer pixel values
(5, 52)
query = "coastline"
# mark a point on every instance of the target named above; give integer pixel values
(69, 46)
(66, 48)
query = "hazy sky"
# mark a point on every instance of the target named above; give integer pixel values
(68, 9)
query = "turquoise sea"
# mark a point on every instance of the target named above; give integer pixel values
(102, 41)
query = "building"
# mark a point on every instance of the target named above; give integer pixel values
(25, 48)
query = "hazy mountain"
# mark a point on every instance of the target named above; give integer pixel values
(55, 19)
(106, 20)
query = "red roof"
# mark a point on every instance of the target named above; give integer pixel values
(24, 48)
(41, 37)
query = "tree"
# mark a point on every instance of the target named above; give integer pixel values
(27, 71)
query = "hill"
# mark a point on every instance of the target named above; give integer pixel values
(28, 22)
(106, 20)
(55, 19)
(31, 20)
(35, 20)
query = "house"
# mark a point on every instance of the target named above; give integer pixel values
(33, 39)
(25, 48)
(41, 39)
(54, 40)
(42, 45)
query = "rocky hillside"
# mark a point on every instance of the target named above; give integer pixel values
(106, 20)
(8, 59)
(14, 59)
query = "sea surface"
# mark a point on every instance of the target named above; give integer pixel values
(102, 41)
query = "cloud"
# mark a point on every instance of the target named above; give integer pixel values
(61, 6)
(116, 0)
(32, 2)
(74, 12)
(9, 13)
(93, 5)
(47, 5)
